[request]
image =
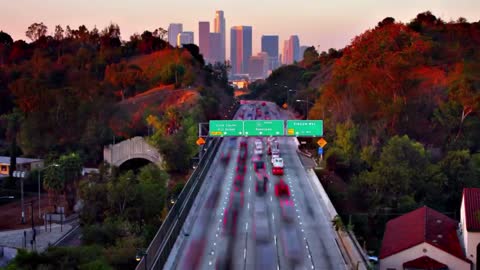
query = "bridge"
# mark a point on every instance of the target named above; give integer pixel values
(134, 148)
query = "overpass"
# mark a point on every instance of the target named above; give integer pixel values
(134, 148)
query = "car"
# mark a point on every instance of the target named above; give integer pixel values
(238, 182)
(287, 210)
(262, 229)
(241, 168)
(292, 244)
(258, 165)
(258, 151)
(277, 171)
(261, 184)
(281, 189)
(275, 154)
(225, 156)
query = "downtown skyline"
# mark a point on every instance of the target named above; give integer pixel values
(327, 25)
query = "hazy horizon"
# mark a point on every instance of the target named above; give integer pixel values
(320, 24)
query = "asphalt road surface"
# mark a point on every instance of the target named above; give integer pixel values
(233, 226)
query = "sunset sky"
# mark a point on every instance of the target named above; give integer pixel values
(317, 22)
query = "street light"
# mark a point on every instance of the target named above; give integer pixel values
(140, 255)
(7, 197)
(288, 94)
(39, 188)
(306, 105)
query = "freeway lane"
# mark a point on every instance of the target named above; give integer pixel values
(262, 239)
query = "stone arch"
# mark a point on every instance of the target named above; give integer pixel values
(133, 148)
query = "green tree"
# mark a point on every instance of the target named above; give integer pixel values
(122, 192)
(459, 169)
(152, 189)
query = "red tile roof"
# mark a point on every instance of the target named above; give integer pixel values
(418, 226)
(471, 197)
(425, 262)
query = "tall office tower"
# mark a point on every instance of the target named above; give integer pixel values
(173, 30)
(302, 51)
(287, 58)
(219, 27)
(184, 38)
(240, 48)
(295, 47)
(291, 50)
(215, 42)
(258, 66)
(203, 38)
(270, 46)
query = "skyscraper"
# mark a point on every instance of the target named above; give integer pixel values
(219, 27)
(240, 48)
(258, 66)
(295, 47)
(215, 41)
(203, 39)
(291, 50)
(173, 30)
(270, 46)
(184, 38)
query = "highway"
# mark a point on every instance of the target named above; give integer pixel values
(231, 225)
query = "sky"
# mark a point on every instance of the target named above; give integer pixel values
(319, 23)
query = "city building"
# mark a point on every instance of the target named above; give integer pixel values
(291, 50)
(219, 27)
(302, 51)
(258, 66)
(184, 38)
(173, 30)
(203, 39)
(23, 164)
(470, 224)
(215, 43)
(422, 239)
(270, 46)
(240, 49)
(239, 81)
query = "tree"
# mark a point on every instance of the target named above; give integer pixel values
(121, 192)
(460, 173)
(36, 31)
(6, 42)
(13, 120)
(310, 57)
(58, 34)
(152, 189)
(463, 87)
(60, 178)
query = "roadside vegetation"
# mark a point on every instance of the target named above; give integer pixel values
(401, 106)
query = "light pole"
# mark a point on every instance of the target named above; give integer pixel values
(140, 255)
(288, 94)
(21, 175)
(39, 187)
(306, 105)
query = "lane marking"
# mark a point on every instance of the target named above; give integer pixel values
(244, 253)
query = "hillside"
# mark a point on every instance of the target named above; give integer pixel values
(74, 90)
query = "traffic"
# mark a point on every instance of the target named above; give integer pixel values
(250, 218)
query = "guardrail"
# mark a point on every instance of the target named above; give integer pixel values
(165, 238)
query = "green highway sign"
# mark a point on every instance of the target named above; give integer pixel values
(264, 127)
(305, 128)
(220, 128)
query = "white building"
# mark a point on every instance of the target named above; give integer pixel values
(470, 224)
(422, 239)
(173, 30)
(184, 38)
